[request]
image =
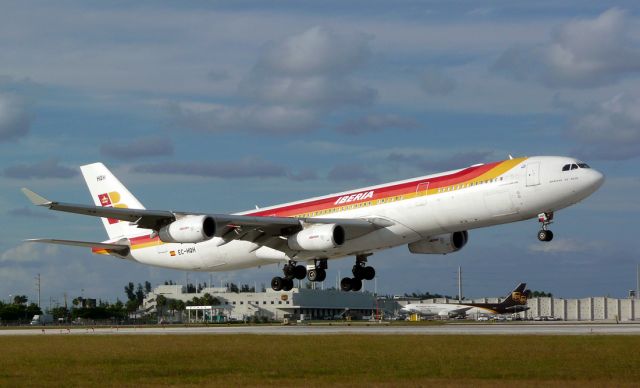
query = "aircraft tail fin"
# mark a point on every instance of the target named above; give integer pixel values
(107, 191)
(517, 297)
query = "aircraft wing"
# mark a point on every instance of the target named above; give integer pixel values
(265, 231)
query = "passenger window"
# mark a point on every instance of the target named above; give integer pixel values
(566, 167)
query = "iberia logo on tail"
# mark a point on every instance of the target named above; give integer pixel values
(111, 199)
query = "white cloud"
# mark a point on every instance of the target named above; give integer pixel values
(28, 252)
(609, 130)
(582, 53)
(294, 83)
(312, 68)
(317, 50)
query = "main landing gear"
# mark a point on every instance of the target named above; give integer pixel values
(317, 272)
(360, 272)
(291, 271)
(545, 219)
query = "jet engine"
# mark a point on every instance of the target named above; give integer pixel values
(318, 237)
(441, 244)
(188, 229)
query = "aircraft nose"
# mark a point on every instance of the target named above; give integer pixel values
(597, 179)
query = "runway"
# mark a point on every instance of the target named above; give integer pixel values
(343, 329)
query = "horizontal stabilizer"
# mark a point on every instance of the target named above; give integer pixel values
(119, 248)
(35, 198)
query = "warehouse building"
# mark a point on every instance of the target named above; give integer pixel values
(585, 309)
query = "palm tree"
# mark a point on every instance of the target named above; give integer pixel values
(161, 302)
(171, 304)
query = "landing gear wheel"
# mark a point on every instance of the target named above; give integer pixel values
(369, 273)
(545, 219)
(287, 284)
(321, 274)
(299, 272)
(277, 283)
(545, 235)
(312, 275)
(356, 284)
(358, 271)
(345, 284)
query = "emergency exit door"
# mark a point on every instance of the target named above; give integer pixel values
(533, 173)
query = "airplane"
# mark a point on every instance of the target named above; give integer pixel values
(515, 302)
(430, 214)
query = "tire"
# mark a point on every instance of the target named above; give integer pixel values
(321, 275)
(287, 270)
(312, 275)
(356, 284)
(549, 236)
(277, 283)
(542, 235)
(345, 284)
(358, 272)
(369, 273)
(300, 272)
(288, 285)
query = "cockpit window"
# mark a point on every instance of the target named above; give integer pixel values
(574, 166)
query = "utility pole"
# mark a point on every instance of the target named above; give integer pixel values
(459, 284)
(38, 286)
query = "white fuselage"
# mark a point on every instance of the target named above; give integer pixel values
(445, 310)
(508, 191)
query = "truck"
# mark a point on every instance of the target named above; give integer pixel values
(42, 319)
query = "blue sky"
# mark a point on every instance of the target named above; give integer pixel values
(220, 106)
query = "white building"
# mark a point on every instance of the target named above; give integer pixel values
(276, 305)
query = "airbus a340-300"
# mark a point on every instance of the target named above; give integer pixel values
(431, 214)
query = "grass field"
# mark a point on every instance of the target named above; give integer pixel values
(335, 360)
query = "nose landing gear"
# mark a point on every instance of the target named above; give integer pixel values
(545, 219)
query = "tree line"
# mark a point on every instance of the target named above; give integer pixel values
(18, 310)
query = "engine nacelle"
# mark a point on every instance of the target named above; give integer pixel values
(317, 238)
(441, 244)
(188, 229)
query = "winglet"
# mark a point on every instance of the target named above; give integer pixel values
(35, 198)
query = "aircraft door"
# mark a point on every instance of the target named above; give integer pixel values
(533, 174)
(422, 188)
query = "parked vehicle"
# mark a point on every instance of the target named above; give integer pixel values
(42, 319)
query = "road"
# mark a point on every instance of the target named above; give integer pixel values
(358, 329)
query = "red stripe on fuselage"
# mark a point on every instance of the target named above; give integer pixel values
(379, 192)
